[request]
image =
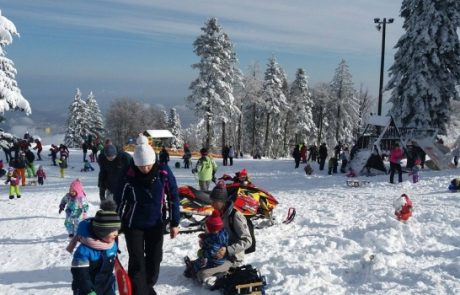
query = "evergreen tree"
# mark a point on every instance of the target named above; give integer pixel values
(427, 64)
(345, 106)
(95, 122)
(302, 105)
(76, 122)
(163, 123)
(252, 107)
(321, 97)
(176, 129)
(10, 94)
(212, 92)
(274, 102)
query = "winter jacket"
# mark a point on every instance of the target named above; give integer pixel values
(240, 237)
(211, 243)
(13, 178)
(231, 152)
(396, 155)
(323, 151)
(112, 173)
(41, 173)
(296, 153)
(38, 145)
(20, 163)
(206, 168)
(142, 199)
(92, 270)
(164, 156)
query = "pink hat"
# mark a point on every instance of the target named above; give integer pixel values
(77, 187)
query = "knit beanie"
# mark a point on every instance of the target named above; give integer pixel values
(77, 187)
(219, 193)
(214, 223)
(143, 153)
(106, 220)
(110, 150)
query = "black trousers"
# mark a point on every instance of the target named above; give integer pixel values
(145, 249)
(322, 161)
(395, 167)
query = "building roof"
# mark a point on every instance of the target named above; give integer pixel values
(158, 133)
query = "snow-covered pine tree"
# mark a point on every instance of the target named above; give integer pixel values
(345, 105)
(302, 104)
(95, 121)
(10, 94)
(426, 68)
(253, 104)
(365, 105)
(274, 102)
(321, 97)
(163, 122)
(76, 122)
(212, 92)
(175, 127)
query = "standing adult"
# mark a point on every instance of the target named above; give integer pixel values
(224, 155)
(187, 156)
(206, 168)
(84, 147)
(143, 215)
(312, 153)
(231, 154)
(322, 155)
(303, 153)
(296, 155)
(38, 146)
(345, 157)
(164, 155)
(396, 156)
(239, 235)
(113, 166)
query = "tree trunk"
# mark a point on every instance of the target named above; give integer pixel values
(254, 131)
(208, 131)
(320, 130)
(223, 135)
(240, 127)
(266, 146)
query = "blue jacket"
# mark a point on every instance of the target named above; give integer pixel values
(142, 201)
(92, 270)
(211, 245)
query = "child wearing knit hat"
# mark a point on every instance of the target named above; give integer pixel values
(94, 259)
(210, 242)
(75, 205)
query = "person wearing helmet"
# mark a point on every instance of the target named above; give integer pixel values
(206, 169)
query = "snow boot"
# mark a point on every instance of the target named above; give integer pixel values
(18, 196)
(11, 197)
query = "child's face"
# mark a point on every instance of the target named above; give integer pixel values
(110, 238)
(72, 193)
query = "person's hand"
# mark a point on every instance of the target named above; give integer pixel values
(221, 253)
(60, 210)
(173, 232)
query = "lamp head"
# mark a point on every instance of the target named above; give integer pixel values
(376, 20)
(390, 20)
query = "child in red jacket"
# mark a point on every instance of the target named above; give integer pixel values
(403, 208)
(41, 175)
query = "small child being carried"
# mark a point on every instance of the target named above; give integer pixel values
(210, 242)
(75, 205)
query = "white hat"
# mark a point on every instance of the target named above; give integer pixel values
(143, 153)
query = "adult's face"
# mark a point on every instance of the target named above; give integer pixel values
(218, 205)
(111, 158)
(145, 169)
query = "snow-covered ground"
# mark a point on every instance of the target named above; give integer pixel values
(343, 241)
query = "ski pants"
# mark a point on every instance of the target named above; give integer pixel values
(61, 171)
(344, 166)
(40, 180)
(30, 170)
(208, 272)
(145, 249)
(393, 168)
(14, 190)
(322, 161)
(22, 174)
(297, 162)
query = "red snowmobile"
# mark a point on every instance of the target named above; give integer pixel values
(250, 200)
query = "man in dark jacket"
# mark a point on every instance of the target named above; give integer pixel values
(322, 155)
(296, 156)
(164, 155)
(112, 170)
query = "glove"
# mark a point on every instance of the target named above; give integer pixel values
(92, 293)
(60, 210)
(194, 170)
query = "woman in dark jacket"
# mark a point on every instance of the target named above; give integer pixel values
(144, 215)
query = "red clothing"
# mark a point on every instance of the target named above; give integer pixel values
(38, 145)
(396, 155)
(41, 173)
(406, 210)
(303, 153)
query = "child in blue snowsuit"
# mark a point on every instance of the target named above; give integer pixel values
(94, 259)
(75, 205)
(210, 242)
(87, 167)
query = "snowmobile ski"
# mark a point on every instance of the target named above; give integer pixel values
(290, 216)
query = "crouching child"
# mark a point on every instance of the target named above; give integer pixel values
(94, 259)
(210, 242)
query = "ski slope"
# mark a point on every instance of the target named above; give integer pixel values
(343, 240)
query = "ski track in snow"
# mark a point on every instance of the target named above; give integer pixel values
(343, 240)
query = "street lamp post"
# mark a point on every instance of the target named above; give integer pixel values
(381, 24)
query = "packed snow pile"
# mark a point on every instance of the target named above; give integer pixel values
(344, 240)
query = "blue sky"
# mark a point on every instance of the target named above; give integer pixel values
(143, 48)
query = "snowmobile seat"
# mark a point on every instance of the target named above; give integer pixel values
(202, 196)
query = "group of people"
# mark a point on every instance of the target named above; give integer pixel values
(228, 153)
(139, 196)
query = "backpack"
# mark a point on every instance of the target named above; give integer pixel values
(231, 219)
(244, 279)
